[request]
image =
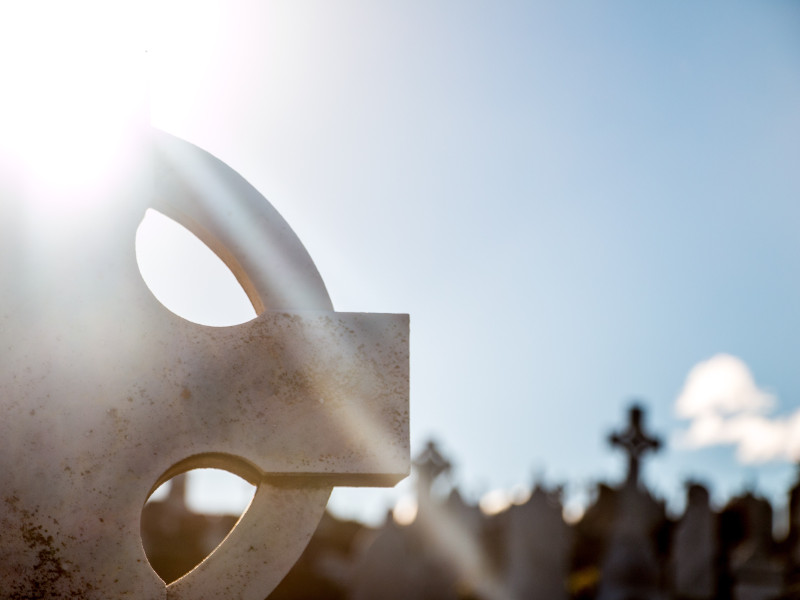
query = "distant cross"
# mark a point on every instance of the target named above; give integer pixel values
(635, 442)
(430, 464)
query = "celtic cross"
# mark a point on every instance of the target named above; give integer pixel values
(106, 394)
(635, 443)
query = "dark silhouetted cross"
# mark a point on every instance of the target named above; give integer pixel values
(430, 464)
(634, 442)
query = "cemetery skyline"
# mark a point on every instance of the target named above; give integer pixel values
(578, 205)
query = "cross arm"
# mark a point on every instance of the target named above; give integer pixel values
(319, 394)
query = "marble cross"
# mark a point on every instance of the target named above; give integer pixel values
(106, 393)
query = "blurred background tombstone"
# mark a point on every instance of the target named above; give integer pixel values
(538, 547)
(694, 555)
(792, 544)
(390, 567)
(754, 570)
(410, 562)
(631, 566)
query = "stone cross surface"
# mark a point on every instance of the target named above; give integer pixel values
(107, 394)
(635, 443)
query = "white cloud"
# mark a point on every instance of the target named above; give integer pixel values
(725, 406)
(721, 385)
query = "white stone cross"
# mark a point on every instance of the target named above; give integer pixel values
(106, 394)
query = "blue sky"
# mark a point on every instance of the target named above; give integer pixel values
(576, 203)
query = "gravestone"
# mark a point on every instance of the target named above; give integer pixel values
(107, 394)
(538, 548)
(591, 536)
(409, 561)
(631, 568)
(695, 548)
(792, 585)
(391, 566)
(635, 442)
(430, 467)
(440, 556)
(755, 571)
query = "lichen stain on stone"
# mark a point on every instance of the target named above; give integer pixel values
(49, 578)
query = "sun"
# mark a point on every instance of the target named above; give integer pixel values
(75, 88)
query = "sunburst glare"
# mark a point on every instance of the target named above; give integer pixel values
(75, 90)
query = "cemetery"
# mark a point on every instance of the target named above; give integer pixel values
(526, 165)
(625, 546)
